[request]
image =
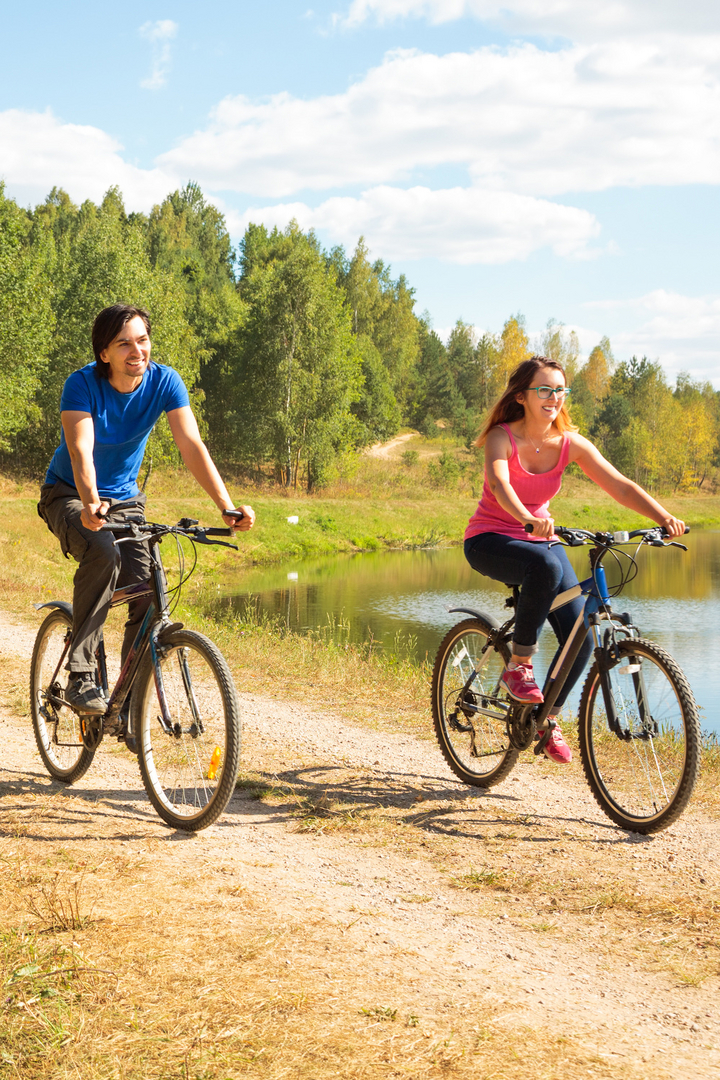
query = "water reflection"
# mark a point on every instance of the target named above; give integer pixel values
(402, 598)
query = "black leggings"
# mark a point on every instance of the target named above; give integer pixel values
(541, 572)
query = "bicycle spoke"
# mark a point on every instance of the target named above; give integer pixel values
(56, 726)
(642, 776)
(189, 770)
(469, 721)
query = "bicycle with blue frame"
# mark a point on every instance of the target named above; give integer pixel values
(638, 726)
(174, 702)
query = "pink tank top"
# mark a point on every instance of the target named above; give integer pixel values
(535, 490)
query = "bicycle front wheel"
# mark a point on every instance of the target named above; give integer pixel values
(56, 726)
(643, 772)
(188, 731)
(465, 680)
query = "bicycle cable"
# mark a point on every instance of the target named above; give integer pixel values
(627, 573)
(176, 590)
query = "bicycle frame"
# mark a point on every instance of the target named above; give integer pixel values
(595, 610)
(156, 620)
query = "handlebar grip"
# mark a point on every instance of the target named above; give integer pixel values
(119, 527)
(219, 532)
(529, 527)
(237, 514)
(664, 532)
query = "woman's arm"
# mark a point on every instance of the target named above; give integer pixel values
(183, 426)
(79, 433)
(624, 491)
(498, 449)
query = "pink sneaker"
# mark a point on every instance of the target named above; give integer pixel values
(556, 748)
(521, 686)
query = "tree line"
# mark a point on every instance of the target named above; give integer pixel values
(295, 356)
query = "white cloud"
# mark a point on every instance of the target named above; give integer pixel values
(583, 118)
(683, 332)
(576, 19)
(460, 225)
(159, 34)
(39, 152)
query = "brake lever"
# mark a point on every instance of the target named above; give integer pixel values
(674, 543)
(200, 537)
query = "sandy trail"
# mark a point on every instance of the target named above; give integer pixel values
(393, 912)
(388, 449)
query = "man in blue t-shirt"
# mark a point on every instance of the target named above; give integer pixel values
(108, 410)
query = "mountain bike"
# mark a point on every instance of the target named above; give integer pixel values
(638, 725)
(174, 702)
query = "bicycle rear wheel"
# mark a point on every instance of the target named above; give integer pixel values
(188, 758)
(475, 745)
(643, 775)
(56, 726)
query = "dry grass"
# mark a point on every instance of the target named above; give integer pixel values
(177, 984)
(60, 905)
(133, 968)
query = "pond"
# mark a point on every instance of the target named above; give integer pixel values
(401, 600)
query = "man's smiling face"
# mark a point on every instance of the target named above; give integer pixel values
(128, 355)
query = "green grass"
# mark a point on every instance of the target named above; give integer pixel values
(379, 505)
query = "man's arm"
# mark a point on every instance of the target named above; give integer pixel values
(79, 433)
(183, 426)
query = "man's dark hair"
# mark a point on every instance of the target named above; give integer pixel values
(108, 325)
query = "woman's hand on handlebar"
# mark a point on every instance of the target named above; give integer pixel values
(544, 527)
(242, 518)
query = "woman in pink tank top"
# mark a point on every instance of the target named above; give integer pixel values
(529, 441)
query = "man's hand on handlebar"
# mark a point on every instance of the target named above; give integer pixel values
(544, 527)
(92, 516)
(673, 526)
(242, 518)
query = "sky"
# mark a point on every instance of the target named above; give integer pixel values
(555, 158)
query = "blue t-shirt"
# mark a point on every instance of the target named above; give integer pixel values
(123, 423)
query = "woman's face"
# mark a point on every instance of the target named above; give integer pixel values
(543, 410)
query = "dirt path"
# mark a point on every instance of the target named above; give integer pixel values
(520, 913)
(388, 449)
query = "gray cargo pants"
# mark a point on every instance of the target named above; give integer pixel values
(102, 568)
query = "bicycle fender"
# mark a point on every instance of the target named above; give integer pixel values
(60, 605)
(476, 615)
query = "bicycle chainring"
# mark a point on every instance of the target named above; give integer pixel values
(521, 726)
(91, 729)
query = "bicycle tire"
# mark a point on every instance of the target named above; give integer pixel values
(56, 728)
(642, 781)
(476, 747)
(188, 792)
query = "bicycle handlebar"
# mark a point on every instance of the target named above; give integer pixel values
(138, 528)
(654, 536)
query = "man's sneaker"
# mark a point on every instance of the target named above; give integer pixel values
(556, 748)
(84, 695)
(521, 685)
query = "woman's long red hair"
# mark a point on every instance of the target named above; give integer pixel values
(507, 408)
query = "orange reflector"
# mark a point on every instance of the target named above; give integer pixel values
(214, 762)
